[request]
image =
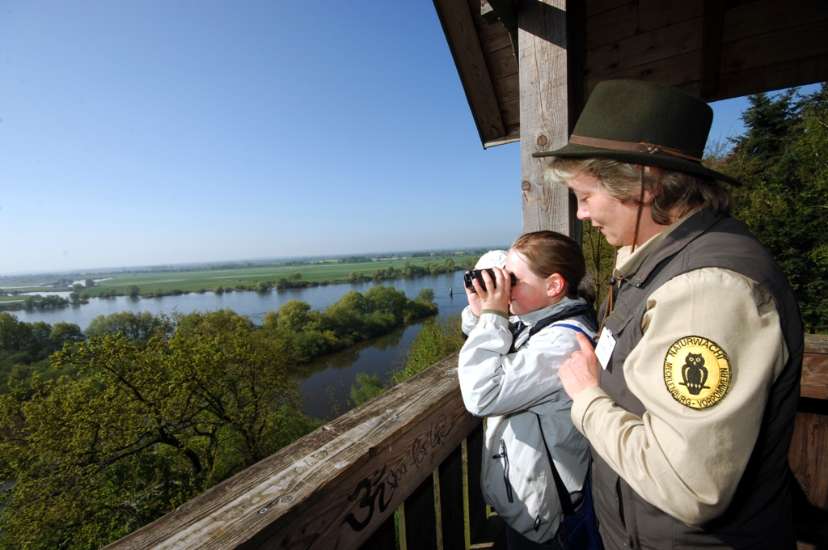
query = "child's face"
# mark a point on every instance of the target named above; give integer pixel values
(531, 291)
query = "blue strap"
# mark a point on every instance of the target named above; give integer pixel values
(577, 329)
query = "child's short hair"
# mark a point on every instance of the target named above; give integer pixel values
(548, 252)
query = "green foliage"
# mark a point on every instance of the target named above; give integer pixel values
(136, 426)
(135, 326)
(354, 318)
(25, 347)
(781, 160)
(365, 388)
(600, 260)
(104, 432)
(425, 296)
(32, 303)
(436, 340)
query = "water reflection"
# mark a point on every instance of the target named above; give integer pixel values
(326, 387)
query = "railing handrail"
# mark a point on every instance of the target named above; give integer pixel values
(332, 487)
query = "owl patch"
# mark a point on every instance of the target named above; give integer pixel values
(697, 372)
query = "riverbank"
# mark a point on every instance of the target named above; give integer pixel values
(263, 279)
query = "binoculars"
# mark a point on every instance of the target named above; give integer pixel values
(468, 276)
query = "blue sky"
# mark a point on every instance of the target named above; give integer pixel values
(156, 132)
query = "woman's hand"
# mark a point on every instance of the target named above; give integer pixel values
(498, 291)
(581, 370)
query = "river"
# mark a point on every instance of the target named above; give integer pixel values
(325, 391)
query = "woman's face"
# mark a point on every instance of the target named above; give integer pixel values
(613, 218)
(531, 292)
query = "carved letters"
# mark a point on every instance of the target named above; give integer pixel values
(377, 490)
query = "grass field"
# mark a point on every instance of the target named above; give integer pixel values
(191, 281)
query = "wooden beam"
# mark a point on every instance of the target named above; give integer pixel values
(499, 10)
(550, 96)
(782, 46)
(814, 381)
(503, 12)
(772, 77)
(461, 34)
(334, 487)
(643, 48)
(681, 71)
(711, 53)
(747, 19)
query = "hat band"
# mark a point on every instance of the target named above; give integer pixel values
(630, 146)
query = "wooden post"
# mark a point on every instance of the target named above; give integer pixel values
(549, 59)
(451, 499)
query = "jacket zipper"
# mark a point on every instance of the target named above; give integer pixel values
(506, 481)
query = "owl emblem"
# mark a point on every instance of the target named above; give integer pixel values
(694, 373)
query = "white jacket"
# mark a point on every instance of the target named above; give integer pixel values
(522, 397)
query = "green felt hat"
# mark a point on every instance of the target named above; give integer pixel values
(643, 123)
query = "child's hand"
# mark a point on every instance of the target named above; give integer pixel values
(498, 292)
(474, 301)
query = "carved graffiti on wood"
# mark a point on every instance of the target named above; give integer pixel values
(377, 490)
(369, 493)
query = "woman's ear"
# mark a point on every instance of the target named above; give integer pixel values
(653, 175)
(555, 285)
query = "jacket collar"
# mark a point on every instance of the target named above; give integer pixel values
(566, 303)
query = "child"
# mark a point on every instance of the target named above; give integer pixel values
(535, 463)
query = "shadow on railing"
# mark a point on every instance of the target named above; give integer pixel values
(415, 451)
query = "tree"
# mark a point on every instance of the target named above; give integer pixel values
(134, 429)
(64, 333)
(599, 256)
(425, 296)
(781, 160)
(294, 316)
(134, 326)
(435, 341)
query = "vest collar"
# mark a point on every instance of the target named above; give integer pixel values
(679, 236)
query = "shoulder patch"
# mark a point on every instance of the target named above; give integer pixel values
(696, 372)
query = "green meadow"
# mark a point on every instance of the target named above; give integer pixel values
(316, 273)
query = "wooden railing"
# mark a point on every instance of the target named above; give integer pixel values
(340, 485)
(414, 451)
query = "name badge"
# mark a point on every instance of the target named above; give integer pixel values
(606, 343)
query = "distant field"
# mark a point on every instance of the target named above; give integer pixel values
(190, 281)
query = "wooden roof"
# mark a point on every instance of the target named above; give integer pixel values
(715, 49)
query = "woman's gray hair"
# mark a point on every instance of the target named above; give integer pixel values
(673, 192)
